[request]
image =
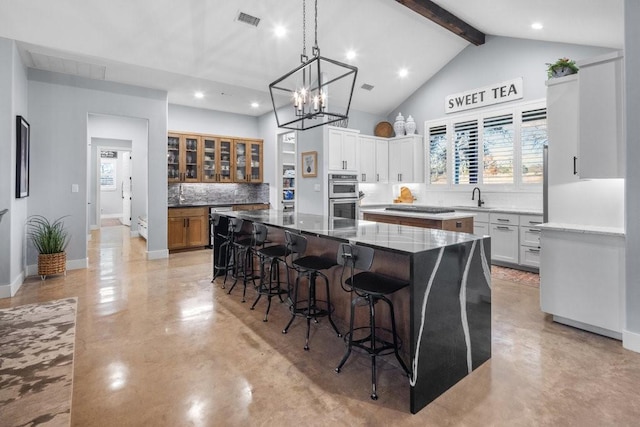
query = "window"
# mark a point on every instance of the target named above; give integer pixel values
(497, 145)
(500, 147)
(465, 153)
(533, 137)
(438, 155)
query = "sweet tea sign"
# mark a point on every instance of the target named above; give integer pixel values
(481, 97)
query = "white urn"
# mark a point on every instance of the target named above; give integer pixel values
(398, 125)
(410, 126)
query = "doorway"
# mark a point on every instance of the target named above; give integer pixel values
(113, 182)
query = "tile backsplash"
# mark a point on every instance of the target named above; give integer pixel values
(216, 194)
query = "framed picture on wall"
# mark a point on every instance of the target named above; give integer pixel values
(22, 157)
(309, 164)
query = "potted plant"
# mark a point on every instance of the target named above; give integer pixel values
(51, 240)
(562, 67)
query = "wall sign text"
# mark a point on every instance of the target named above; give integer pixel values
(481, 97)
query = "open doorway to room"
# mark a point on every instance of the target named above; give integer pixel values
(117, 182)
(114, 186)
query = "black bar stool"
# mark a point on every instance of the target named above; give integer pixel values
(370, 287)
(309, 266)
(220, 245)
(270, 258)
(241, 263)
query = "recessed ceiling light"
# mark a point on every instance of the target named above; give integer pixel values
(403, 72)
(254, 105)
(280, 31)
(537, 25)
(199, 95)
(351, 54)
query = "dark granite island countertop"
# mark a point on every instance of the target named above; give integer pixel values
(449, 294)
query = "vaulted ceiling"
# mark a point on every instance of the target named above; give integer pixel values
(199, 45)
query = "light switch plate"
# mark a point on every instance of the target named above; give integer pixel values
(74, 188)
(316, 187)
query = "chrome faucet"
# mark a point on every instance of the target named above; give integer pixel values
(473, 195)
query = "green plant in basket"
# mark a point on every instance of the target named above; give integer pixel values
(48, 237)
(562, 67)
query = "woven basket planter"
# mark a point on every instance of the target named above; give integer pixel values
(49, 264)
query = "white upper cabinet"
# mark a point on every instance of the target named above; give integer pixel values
(406, 159)
(374, 159)
(562, 129)
(343, 150)
(600, 132)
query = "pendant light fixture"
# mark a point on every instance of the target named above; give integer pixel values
(319, 90)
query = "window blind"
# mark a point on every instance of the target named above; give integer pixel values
(465, 152)
(533, 136)
(438, 154)
(497, 145)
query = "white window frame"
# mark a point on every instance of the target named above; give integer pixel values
(480, 115)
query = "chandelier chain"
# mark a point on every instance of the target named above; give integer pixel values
(316, 24)
(304, 28)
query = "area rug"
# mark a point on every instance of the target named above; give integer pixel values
(36, 363)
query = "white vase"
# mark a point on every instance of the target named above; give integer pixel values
(410, 126)
(398, 125)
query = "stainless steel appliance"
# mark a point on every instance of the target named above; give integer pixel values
(343, 186)
(343, 196)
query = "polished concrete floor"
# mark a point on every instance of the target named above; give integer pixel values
(157, 344)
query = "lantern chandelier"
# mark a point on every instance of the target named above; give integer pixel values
(319, 90)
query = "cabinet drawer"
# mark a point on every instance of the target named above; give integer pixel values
(529, 256)
(530, 220)
(481, 228)
(530, 236)
(477, 216)
(503, 218)
(183, 212)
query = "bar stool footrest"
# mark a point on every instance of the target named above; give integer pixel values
(365, 342)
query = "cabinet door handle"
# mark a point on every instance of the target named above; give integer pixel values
(503, 220)
(534, 250)
(378, 177)
(502, 227)
(535, 222)
(575, 168)
(188, 220)
(364, 177)
(534, 230)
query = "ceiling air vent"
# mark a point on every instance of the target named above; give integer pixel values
(367, 86)
(248, 19)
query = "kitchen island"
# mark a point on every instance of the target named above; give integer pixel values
(448, 303)
(426, 217)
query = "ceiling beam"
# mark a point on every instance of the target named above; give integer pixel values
(445, 19)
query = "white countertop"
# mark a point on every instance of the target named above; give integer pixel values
(578, 228)
(487, 209)
(422, 215)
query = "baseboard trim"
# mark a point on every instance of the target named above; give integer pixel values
(631, 340)
(162, 254)
(10, 289)
(589, 328)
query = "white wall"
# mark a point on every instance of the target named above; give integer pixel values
(13, 102)
(59, 107)
(127, 133)
(631, 332)
(499, 59)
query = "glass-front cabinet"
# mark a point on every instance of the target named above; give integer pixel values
(226, 166)
(183, 158)
(208, 158)
(247, 161)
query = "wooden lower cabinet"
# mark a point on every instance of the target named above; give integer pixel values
(460, 225)
(187, 228)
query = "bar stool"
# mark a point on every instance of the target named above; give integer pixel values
(222, 249)
(240, 260)
(270, 258)
(371, 287)
(309, 266)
